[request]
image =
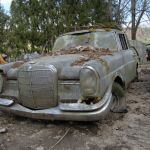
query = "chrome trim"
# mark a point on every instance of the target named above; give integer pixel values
(6, 102)
(62, 83)
(54, 70)
(97, 77)
(56, 114)
(80, 107)
(52, 67)
(30, 68)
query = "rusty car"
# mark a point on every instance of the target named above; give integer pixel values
(83, 78)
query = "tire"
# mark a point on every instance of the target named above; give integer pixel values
(118, 100)
(118, 107)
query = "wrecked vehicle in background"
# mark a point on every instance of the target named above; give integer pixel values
(140, 48)
(82, 79)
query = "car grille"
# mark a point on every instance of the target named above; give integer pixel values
(37, 88)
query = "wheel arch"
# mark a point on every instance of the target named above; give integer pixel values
(120, 81)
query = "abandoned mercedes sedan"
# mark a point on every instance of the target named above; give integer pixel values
(82, 79)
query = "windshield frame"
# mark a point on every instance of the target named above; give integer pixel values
(70, 36)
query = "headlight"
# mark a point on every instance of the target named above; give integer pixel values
(89, 81)
(1, 83)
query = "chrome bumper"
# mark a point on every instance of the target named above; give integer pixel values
(56, 113)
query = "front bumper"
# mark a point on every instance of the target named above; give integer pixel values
(57, 113)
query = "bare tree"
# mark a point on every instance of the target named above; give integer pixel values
(122, 10)
(148, 10)
(133, 16)
(138, 9)
(131, 13)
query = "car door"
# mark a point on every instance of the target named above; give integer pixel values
(129, 59)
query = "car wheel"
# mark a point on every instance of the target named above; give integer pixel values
(118, 99)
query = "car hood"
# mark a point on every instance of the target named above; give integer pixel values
(63, 63)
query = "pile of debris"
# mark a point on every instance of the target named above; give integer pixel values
(89, 53)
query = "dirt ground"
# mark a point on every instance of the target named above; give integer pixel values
(130, 131)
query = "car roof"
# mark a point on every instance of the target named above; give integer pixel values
(92, 30)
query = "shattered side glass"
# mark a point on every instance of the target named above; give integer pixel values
(96, 39)
(105, 40)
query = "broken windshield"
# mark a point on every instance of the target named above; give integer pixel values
(96, 39)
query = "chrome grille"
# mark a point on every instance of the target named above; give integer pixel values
(38, 88)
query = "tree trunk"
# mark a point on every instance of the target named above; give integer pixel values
(133, 15)
(136, 19)
(110, 10)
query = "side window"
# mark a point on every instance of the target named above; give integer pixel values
(123, 41)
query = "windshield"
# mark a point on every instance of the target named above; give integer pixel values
(96, 39)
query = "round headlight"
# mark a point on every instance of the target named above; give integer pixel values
(1, 83)
(88, 81)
